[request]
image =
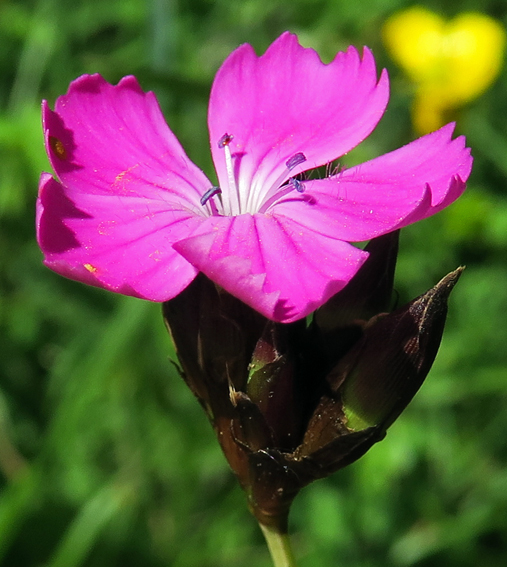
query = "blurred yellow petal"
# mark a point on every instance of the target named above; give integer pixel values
(413, 38)
(432, 108)
(474, 47)
(450, 62)
(428, 114)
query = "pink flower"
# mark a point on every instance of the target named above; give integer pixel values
(129, 212)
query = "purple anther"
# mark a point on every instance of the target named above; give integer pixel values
(296, 159)
(225, 140)
(210, 193)
(299, 186)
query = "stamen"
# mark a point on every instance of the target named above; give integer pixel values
(291, 163)
(279, 187)
(295, 160)
(210, 193)
(297, 184)
(223, 143)
(225, 140)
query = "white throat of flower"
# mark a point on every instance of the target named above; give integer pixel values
(229, 202)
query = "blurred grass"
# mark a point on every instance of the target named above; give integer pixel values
(105, 458)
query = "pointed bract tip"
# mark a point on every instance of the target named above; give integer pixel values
(381, 374)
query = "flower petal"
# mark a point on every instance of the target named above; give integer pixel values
(386, 193)
(122, 243)
(285, 102)
(281, 270)
(113, 140)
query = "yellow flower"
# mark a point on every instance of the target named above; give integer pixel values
(451, 62)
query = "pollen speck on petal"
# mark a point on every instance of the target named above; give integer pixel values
(57, 147)
(90, 268)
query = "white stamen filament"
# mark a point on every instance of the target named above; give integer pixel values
(230, 208)
(277, 190)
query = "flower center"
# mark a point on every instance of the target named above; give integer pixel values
(231, 204)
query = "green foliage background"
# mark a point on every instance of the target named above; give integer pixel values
(105, 457)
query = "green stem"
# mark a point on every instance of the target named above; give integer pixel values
(279, 547)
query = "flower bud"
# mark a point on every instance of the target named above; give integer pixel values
(369, 292)
(381, 374)
(339, 322)
(271, 384)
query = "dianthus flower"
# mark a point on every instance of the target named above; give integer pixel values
(129, 212)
